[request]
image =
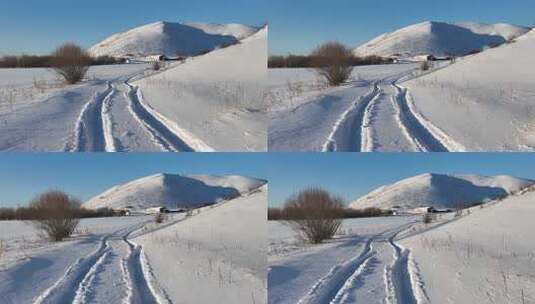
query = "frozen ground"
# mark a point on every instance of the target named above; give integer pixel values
(370, 113)
(483, 102)
(487, 256)
(362, 265)
(217, 101)
(217, 253)
(216, 256)
(482, 255)
(210, 102)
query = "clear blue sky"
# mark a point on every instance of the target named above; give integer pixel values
(38, 26)
(24, 175)
(297, 26)
(350, 175)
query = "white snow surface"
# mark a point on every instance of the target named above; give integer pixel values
(441, 191)
(484, 257)
(484, 102)
(440, 39)
(218, 255)
(215, 101)
(172, 191)
(170, 39)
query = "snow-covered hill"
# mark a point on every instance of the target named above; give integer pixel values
(440, 191)
(485, 257)
(173, 191)
(440, 39)
(170, 39)
(219, 254)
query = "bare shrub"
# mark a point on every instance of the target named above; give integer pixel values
(159, 218)
(314, 214)
(156, 66)
(55, 214)
(2, 248)
(428, 218)
(425, 66)
(332, 60)
(71, 62)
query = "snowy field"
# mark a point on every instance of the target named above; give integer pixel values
(217, 256)
(134, 260)
(215, 102)
(483, 102)
(485, 255)
(212, 102)
(367, 114)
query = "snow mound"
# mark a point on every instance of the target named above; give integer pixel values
(239, 31)
(440, 39)
(172, 191)
(170, 39)
(440, 191)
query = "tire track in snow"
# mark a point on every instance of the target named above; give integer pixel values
(110, 143)
(161, 134)
(342, 136)
(366, 130)
(70, 286)
(89, 132)
(411, 126)
(398, 278)
(139, 287)
(326, 288)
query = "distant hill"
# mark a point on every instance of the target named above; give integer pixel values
(440, 191)
(168, 38)
(171, 191)
(440, 39)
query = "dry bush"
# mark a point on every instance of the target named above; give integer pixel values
(71, 62)
(332, 60)
(55, 214)
(156, 66)
(315, 214)
(159, 218)
(425, 66)
(427, 218)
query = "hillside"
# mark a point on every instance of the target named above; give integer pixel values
(485, 257)
(482, 102)
(173, 191)
(220, 253)
(170, 39)
(439, 39)
(440, 191)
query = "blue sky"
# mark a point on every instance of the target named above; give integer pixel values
(38, 26)
(24, 175)
(351, 175)
(297, 26)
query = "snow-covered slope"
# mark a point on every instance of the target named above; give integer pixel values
(440, 191)
(173, 191)
(170, 39)
(482, 102)
(484, 257)
(440, 39)
(215, 102)
(218, 255)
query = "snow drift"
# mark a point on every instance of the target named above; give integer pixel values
(174, 191)
(170, 39)
(485, 257)
(440, 39)
(440, 191)
(483, 102)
